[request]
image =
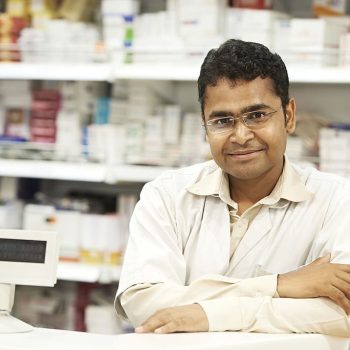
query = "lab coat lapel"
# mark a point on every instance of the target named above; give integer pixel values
(258, 228)
(215, 235)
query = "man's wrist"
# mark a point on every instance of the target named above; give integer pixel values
(282, 285)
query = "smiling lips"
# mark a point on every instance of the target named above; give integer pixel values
(246, 153)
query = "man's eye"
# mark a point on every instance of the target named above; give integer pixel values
(220, 122)
(256, 116)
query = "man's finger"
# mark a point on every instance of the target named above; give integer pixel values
(340, 298)
(343, 286)
(343, 275)
(152, 323)
(345, 268)
(170, 327)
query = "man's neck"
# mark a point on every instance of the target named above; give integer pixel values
(248, 192)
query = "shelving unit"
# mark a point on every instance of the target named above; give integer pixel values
(157, 71)
(150, 71)
(177, 72)
(315, 75)
(56, 71)
(92, 172)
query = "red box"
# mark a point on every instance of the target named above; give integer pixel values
(43, 114)
(46, 95)
(43, 139)
(253, 4)
(45, 132)
(12, 25)
(43, 123)
(45, 105)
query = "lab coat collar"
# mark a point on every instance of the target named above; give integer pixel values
(289, 187)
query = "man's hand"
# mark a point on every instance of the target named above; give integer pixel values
(318, 279)
(187, 318)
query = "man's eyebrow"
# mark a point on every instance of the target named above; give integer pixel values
(251, 108)
(217, 114)
(255, 107)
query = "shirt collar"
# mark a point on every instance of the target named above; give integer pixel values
(289, 186)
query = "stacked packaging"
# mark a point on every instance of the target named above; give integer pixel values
(15, 99)
(315, 41)
(193, 146)
(45, 106)
(334, 149)
(10, 29)
(184, 31)
(252, 25)
(85, 235)
(344, 50)
(117, 20)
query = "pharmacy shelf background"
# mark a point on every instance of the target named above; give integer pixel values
(82, 272)
(144, 71)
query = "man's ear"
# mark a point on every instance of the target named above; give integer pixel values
(290, 116)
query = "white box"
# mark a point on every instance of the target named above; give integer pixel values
(249, 24)
(316, 33)
(172, 124)
(125, 7)
(281, 35)
(68, 229)
(200, 18)
(11, 214)
(114, 143)
(39, 217)
(344, 50)
(334, 151)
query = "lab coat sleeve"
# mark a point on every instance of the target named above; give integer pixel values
(142, 300)
(277, 315)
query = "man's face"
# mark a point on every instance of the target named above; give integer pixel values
(241, 152)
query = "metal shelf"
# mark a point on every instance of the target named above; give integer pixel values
(150, 71)
(91, 172)
(157, 71)
(56, 71)
(297, 74)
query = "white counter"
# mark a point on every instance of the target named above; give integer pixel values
(49, 339)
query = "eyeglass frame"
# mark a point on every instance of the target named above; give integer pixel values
(240, 117)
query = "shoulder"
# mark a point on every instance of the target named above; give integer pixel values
(180, 179)
(323, 183)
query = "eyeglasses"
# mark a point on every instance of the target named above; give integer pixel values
(252, 120)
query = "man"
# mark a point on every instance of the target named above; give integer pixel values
(243, 242)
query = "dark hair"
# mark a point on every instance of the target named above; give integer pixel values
(241, 60)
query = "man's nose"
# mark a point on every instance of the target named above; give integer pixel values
(240, 134)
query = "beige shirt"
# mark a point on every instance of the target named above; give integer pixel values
(238, 224)
(181, 244)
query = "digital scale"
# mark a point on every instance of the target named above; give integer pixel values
(27, 257)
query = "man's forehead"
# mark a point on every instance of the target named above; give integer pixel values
(265, 83)
(241, 93)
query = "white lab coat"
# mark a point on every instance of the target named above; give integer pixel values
(180, 230)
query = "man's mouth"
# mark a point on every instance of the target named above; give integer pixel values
(243, 152)
(246, 153)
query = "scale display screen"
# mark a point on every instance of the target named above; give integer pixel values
(22, 250)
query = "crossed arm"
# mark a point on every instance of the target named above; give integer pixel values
(313, 299)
